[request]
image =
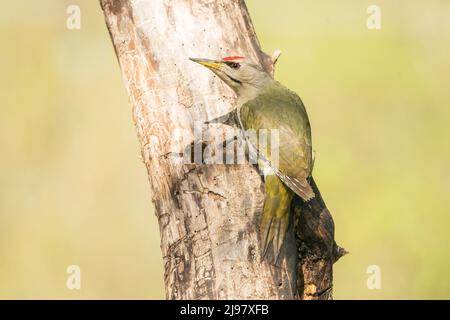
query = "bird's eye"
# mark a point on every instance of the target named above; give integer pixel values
(234, 65)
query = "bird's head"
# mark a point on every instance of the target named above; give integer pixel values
(240, 74)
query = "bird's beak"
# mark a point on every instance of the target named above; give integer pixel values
(211, 64)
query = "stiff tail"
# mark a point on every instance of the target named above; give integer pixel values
(275, 219)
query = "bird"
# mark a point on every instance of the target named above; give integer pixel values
(263, 103)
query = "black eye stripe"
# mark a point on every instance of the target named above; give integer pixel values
(233, 65)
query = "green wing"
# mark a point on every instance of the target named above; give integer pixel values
(279, 108)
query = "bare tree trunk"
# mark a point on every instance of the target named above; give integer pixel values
(208, 214)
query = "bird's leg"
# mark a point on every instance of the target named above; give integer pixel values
(228, 151)
(234, 149)
(227, 119)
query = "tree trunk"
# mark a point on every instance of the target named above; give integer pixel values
(208, 213)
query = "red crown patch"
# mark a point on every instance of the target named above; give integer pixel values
(232, 58)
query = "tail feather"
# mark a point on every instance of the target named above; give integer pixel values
(275, 219)
(265, 233)
(283, 224)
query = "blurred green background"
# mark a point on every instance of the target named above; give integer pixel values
(73, 190)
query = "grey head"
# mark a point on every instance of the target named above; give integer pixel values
(244, 76)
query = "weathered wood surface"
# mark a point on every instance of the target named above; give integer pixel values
(208, 214)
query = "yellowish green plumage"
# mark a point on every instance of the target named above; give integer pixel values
(275, 219)
(278, 108)
(266, 105)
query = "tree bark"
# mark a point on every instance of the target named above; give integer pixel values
(208, 214)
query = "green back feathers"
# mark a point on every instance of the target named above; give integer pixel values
(278, 109)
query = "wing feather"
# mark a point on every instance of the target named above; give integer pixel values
(281, 109)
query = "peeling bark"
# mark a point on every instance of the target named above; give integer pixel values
(208, 214)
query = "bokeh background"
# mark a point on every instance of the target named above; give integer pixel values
(74, 192)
